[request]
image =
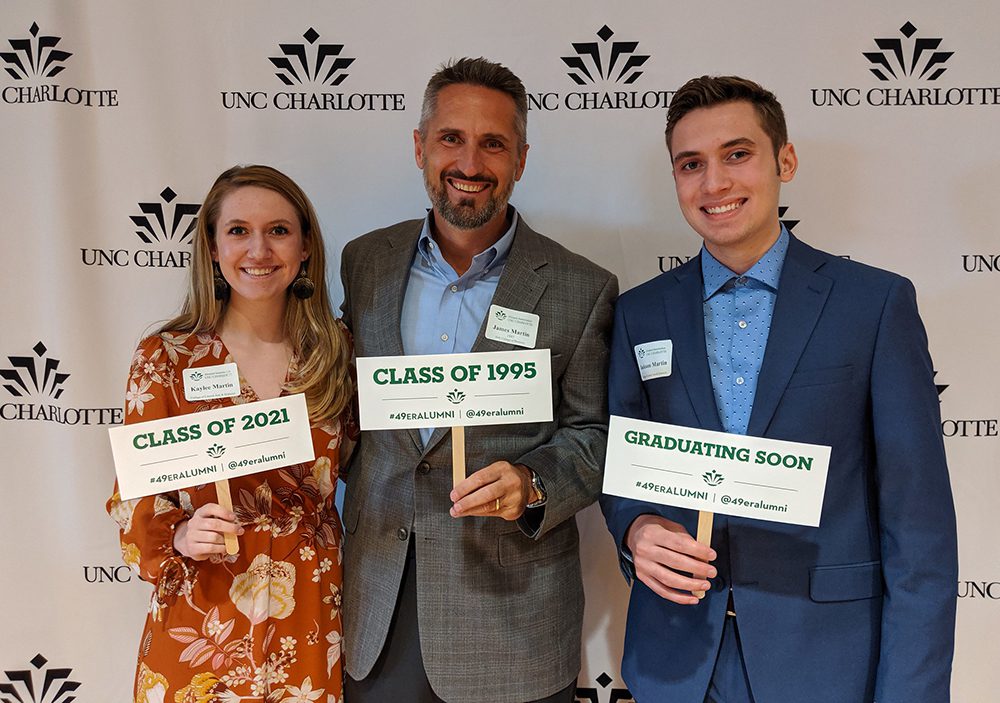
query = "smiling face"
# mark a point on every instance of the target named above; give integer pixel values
(471, 155)
(258, 244)
(727, 181)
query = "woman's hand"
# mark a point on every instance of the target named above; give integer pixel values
(203, 534)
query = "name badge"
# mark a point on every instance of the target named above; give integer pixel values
(512, 326)
(655, 359)
(210, 382)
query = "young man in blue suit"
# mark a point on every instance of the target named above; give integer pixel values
(776, 339)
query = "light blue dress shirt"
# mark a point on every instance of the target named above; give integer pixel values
(738, 310)
(442, 311)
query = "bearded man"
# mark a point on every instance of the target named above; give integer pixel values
(473, 592)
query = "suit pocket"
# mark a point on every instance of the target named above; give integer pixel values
(829, 584)
(516, 549)
(820, 377)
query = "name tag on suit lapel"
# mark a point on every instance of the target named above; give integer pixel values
(654, 359)
(512, 326)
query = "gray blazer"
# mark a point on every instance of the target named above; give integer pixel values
(499, 612)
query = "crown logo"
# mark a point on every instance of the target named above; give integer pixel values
(604, 61)
(54, 686)
(713, 478)
(323, 64)
(36, 56)
(893, 60)
(37, 374)
(165, 221)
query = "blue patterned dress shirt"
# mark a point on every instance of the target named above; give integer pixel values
(738, 310)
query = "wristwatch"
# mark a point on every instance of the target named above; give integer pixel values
(537, 491)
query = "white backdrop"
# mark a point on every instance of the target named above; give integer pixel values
(141, 115)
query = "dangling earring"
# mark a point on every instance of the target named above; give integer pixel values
(220, 283)
(303, 286)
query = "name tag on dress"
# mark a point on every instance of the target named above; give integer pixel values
(211, 382)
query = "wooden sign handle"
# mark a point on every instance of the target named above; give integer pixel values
(457, 455)
(226, 501)
(705, 519)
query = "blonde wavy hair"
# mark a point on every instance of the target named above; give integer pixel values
(318, 342)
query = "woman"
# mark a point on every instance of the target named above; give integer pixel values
(263, 624)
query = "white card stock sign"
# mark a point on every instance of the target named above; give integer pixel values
(190, 450)
(454, 390)
(716, 472)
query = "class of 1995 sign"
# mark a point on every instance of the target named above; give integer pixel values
(454, 390)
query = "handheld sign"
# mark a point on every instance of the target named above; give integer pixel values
(215, 445)
(716, 472)
(454, 390)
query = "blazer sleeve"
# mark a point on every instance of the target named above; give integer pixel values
(916, 513)
(571, 463)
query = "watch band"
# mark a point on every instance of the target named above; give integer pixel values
(539, 489)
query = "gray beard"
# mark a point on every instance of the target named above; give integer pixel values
(464, 215)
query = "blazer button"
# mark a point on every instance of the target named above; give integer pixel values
(423, 468)
(719, 583)
(402, 533)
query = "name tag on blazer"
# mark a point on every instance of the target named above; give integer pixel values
(654, 359)
(512, 326)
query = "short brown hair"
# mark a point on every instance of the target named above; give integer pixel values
(483, 73)
(708, 91)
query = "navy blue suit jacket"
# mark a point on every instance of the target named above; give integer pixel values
(861, 607)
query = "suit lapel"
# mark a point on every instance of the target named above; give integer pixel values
(802, 293)
(686, 327)
(387, 294)
(520, 287)
(390, 286)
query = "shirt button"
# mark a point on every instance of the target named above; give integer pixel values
(742, 324)
(454, 289)
(402, 533)
(423, 468)
(741, 280)
(444, 337)
(740, 381)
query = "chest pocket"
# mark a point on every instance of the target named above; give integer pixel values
(821, 377)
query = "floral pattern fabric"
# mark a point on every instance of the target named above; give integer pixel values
(262, 625)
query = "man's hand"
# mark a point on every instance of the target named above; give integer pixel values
(501, 489)
(203, 534)
(661, 549)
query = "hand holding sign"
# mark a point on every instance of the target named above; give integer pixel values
(710, 472)
(455, 390)
(663, 553)
(498, 490)
(204, 533)
(171, 453)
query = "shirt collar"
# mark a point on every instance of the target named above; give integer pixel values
(494, 256)
(767, 270)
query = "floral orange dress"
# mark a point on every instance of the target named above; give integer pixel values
(264, 624)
